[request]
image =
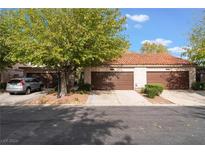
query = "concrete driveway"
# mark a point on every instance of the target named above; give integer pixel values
(116, 98)
(19, 99)
(185, 97)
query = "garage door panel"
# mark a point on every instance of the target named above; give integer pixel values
(112, 80)
(171, 80)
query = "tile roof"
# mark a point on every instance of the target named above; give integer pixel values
(130, 58)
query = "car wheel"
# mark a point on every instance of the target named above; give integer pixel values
(28, 91)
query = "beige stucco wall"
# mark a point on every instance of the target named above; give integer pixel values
(140, 72)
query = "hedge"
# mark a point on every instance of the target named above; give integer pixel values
(198, 86)
(3, 86)
(84, 87)
(153, 90)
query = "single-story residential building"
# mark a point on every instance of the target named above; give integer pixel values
(133, 71)
(11, 72)
(48, 76)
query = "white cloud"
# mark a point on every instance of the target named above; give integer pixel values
(158, 41)
(177, 49)
(138, 18)
(138, 26)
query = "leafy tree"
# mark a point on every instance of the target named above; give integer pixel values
(196, 51)
(148, 47)
(65, 39)
(4, 49)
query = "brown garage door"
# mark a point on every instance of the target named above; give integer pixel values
(112, 80)
(171, 80)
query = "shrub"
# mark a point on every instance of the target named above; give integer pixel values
(198, 86)
(158, 87)
(3, 86)
(153, 90)
(85, 87)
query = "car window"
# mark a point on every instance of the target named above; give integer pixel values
(14, 81)
(27, 80)
(35, 80)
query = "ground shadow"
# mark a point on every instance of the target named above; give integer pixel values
(197, 111)
(55, 125)
(102, 125)
(100, 92)
(200, 92)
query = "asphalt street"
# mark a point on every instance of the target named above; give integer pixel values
(102, 125)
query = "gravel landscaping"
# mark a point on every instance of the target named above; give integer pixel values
(51, 99)
(156, 100)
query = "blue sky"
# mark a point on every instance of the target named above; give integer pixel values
(170, 27)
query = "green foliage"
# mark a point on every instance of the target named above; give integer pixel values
(5, 61)
(62, 38)
(157, 86)
(84, 87)
(148, 48)
(198, 86)
(3, 86)
(196, 52)
(153, 90)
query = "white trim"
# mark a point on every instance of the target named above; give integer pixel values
(152, 66)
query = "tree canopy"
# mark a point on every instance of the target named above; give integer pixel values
(149, 47)
(63, 39)
(196, 51)
(5, 61)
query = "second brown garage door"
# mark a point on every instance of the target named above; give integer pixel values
(171, 80)
(112, 80)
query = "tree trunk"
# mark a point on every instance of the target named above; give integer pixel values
(63, 84)
(67, 81)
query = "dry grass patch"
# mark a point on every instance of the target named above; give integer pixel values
(71, 98)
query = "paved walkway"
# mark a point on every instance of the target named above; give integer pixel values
(185, 97)
(116, 98)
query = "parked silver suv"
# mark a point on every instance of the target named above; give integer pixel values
(23, 85)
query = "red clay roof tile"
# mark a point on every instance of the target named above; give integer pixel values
(131, 58)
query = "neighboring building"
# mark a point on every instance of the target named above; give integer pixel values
(200, 74)
(133, 71)
(9, 73)
(48, 76)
